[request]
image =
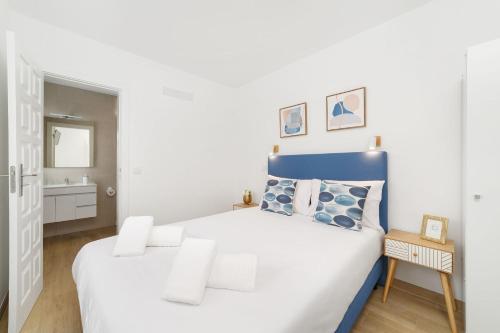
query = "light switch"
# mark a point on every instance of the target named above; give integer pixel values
(137, 171)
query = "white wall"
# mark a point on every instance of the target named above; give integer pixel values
(4, 189)
(412, 67)
(174, 152)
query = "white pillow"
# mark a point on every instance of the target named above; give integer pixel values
(166, 235)
(371, 211)
(302, 197)
(133, 236)
(190, 271)
(233, 271)
(315, 189)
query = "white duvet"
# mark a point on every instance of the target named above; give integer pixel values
(308, 274)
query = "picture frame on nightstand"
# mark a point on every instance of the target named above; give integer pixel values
(434, 228)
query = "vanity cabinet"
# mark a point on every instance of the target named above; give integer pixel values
(69, 202)
(65, 207)
(49, 209)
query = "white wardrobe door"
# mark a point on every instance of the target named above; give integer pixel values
(482, 188)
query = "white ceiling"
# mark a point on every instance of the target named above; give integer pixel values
(227, 41)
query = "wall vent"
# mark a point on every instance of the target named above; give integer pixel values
(178, 94)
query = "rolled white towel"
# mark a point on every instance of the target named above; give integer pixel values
(133, 236)
(166, 235)
(234, 271)
(190, 271)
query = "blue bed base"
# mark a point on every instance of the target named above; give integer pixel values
(343, 166)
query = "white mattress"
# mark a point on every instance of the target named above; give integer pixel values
(308, 274)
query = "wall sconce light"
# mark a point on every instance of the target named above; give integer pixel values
(375, 142)
(276, 150)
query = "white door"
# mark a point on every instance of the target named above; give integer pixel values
(482, 189)
(25, 99)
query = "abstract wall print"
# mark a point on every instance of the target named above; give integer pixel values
(346, 110)
(293, 120)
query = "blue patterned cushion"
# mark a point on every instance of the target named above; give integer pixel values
(341, 205)
(278, 197)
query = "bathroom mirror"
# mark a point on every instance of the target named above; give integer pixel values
(68, 143)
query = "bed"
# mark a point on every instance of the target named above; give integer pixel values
(311, 277)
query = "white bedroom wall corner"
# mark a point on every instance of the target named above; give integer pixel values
(4, 194)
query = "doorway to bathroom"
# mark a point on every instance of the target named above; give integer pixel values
(80, 156)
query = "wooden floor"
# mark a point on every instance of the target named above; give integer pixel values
(408, 309)
(57, 310)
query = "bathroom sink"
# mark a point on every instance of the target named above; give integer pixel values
(67, 185)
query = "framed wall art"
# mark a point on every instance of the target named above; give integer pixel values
(293, 120)
(346, 110)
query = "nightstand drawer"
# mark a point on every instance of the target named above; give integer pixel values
(436, 259)
(421, 255)
(397, 249)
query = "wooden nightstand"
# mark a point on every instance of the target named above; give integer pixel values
(406, 246)
(242, 205)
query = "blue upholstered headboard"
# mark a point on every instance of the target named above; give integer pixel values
(339, 166)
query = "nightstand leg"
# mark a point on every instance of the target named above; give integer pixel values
(449, 301)
(453, 299)
(390, 276)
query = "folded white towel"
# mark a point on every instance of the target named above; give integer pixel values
(165, 235)
(190, 271)
(133, 236)
(234, 271)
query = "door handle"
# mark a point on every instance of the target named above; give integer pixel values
(21, 177)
